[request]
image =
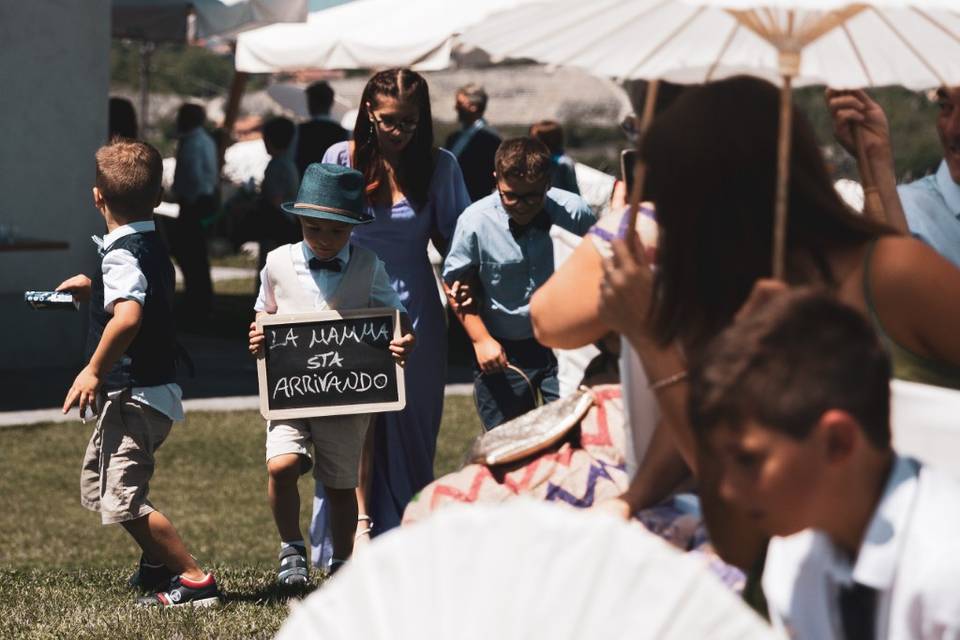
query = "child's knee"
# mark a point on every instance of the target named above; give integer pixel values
(285, 469)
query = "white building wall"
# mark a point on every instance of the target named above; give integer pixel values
(54, 87)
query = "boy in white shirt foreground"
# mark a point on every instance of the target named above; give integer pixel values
(794, 399)
(323, 272)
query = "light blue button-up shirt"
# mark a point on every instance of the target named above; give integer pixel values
(510, 269)
(932, 207)
(196, 173)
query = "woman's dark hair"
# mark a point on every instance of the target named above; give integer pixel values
(122, 119)
(416, 159)
(711, 171)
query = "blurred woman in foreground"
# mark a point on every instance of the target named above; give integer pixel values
(711, 168)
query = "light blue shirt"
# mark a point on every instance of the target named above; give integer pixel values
(932, 207)
(196, 173)
(323, 282)
(510, 269)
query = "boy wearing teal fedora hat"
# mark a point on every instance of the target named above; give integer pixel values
(323, 272)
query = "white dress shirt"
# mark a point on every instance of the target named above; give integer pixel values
(124, 280)
(910, 554)
(322, 283)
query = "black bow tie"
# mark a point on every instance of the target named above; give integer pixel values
(858, 607)
(316, 264)
(540, 221)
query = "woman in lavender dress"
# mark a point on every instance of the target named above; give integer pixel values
(415, 193)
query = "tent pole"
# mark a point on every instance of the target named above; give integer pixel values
(640, 167)
(232, 108)
(783, 177)
(146, 51)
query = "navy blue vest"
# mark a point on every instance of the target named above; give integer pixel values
(151, 358)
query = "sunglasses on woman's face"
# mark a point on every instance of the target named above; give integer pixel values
(392, 123)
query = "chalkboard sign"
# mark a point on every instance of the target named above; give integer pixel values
(329, 363)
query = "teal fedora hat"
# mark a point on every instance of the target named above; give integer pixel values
(330, 192)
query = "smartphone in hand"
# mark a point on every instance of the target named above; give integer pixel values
(628, 165)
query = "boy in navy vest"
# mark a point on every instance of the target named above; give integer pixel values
(324, 272)
(130, 375)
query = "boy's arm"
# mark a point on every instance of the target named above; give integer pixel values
(256, 335)
(117, 336)
(79, 285)
(402, 346)
(464, 258)
(490, 354)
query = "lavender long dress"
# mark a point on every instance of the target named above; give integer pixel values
(405, 441)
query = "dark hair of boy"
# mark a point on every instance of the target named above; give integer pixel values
(523, 158)
(319, 98)
(278, 132)
(784, 365)
(190, 116)
(550, 133)
(129, 175)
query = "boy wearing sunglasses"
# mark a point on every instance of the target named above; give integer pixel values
(502, 247)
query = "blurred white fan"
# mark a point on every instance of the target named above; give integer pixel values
(522, 569)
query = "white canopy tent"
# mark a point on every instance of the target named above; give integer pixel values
(153, 21)
(185, 20)
(366, 34)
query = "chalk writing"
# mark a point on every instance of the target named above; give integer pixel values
(326, 363)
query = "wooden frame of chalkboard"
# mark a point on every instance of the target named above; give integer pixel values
(309, 366)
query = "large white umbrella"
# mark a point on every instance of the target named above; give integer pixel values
(366, 34)
(840, 43)
(522, 569)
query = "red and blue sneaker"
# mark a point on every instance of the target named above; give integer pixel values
(183, 591)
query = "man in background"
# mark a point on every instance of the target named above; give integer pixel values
(315, 136)
(196, 182)
(475, 144)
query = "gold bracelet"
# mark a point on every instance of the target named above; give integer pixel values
(680, 376)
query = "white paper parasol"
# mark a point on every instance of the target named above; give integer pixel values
(840, 43)
(522, 569)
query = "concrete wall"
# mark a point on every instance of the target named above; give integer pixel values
(54, 86)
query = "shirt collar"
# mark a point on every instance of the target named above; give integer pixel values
(141, 226)
(504, 217)
(949, 189)
(876, 561)
(343, 255)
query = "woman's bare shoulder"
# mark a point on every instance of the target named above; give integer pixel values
(903, 263)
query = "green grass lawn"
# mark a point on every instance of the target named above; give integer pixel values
(62, 574)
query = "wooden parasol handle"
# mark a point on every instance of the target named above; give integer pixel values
(783, 179)
(872, 204)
